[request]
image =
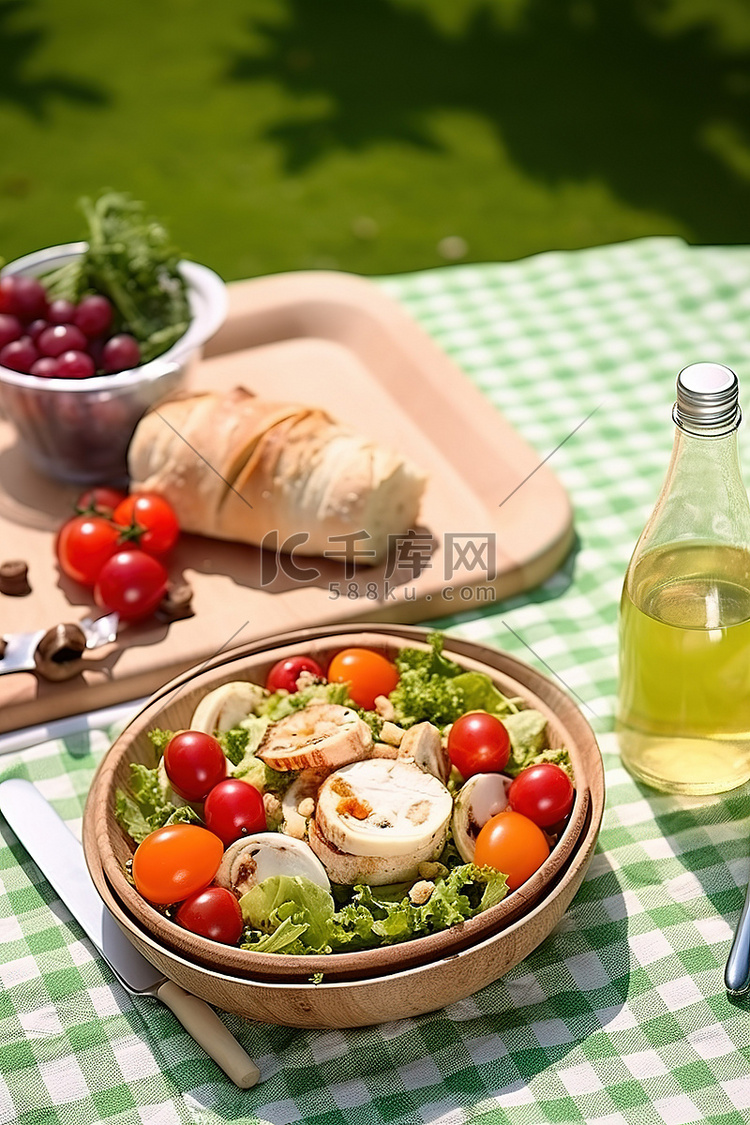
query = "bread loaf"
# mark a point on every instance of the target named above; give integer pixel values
(234, 466)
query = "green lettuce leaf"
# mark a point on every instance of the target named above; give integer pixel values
(434, 689)
(241, 743)
(130, 818)
(368, 921)
(283, 703)
(480, 694)
(293, 900)
(528, 743)
(426, 690)
(160, 738)
(372, 917)
(147, 807)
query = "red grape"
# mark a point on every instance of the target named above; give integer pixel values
(93, 315)
(45, 366)
(61, 311)
(7, 287)
(36, 328)
(23, 296)
(74, 365)
(10, 328)
(120, 353)
(19, 354)
(59, 338)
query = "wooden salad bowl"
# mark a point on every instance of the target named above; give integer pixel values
(374, 985)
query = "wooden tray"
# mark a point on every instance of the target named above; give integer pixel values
(335, 340)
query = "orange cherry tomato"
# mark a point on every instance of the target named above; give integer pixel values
(368, 674)
(513, 844)
(174, 862)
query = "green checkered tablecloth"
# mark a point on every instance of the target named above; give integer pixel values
(620, 1017)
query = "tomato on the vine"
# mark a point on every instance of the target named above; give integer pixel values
(84, 544)
(100, 501)
(154, 515)
(286, 672)
(175, 861)
(368, 674)
(544, 793)
(478, 743)
(234, 808)
(212, 913)
(513, 844)
(194, 762)
(131, 583)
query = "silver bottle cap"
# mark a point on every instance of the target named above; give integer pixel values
(707, 400)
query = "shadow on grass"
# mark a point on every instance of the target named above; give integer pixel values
(574, 92)
(19, 85)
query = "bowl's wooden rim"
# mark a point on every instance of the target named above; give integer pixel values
(104, 841)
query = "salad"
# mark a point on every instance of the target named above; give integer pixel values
(345, 809)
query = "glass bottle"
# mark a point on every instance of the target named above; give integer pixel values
(683, 712)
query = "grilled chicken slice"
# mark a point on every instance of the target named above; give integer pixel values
(320, 736)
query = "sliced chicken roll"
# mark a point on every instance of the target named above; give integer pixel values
(377, 820)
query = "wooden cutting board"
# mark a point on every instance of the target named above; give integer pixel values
(494, 522)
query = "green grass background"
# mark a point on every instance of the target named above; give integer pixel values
(360, 134)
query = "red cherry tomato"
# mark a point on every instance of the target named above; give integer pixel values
(152, 513)
(368, 674)
(544, 793)
(478, 743)
(285, 673)
(513, 844)
(234, 808)
(194, 762)
(174, 862)
(101, 501)
(213, 913)
(131, 583)
(84, 544)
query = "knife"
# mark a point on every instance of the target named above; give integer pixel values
(59, 856)
(737, 972)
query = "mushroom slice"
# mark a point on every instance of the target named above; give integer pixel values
(303, 789)
(226, 706)
(424, 745)
(319, 736)
(251, 859)
(479, 798)
(386, 808)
